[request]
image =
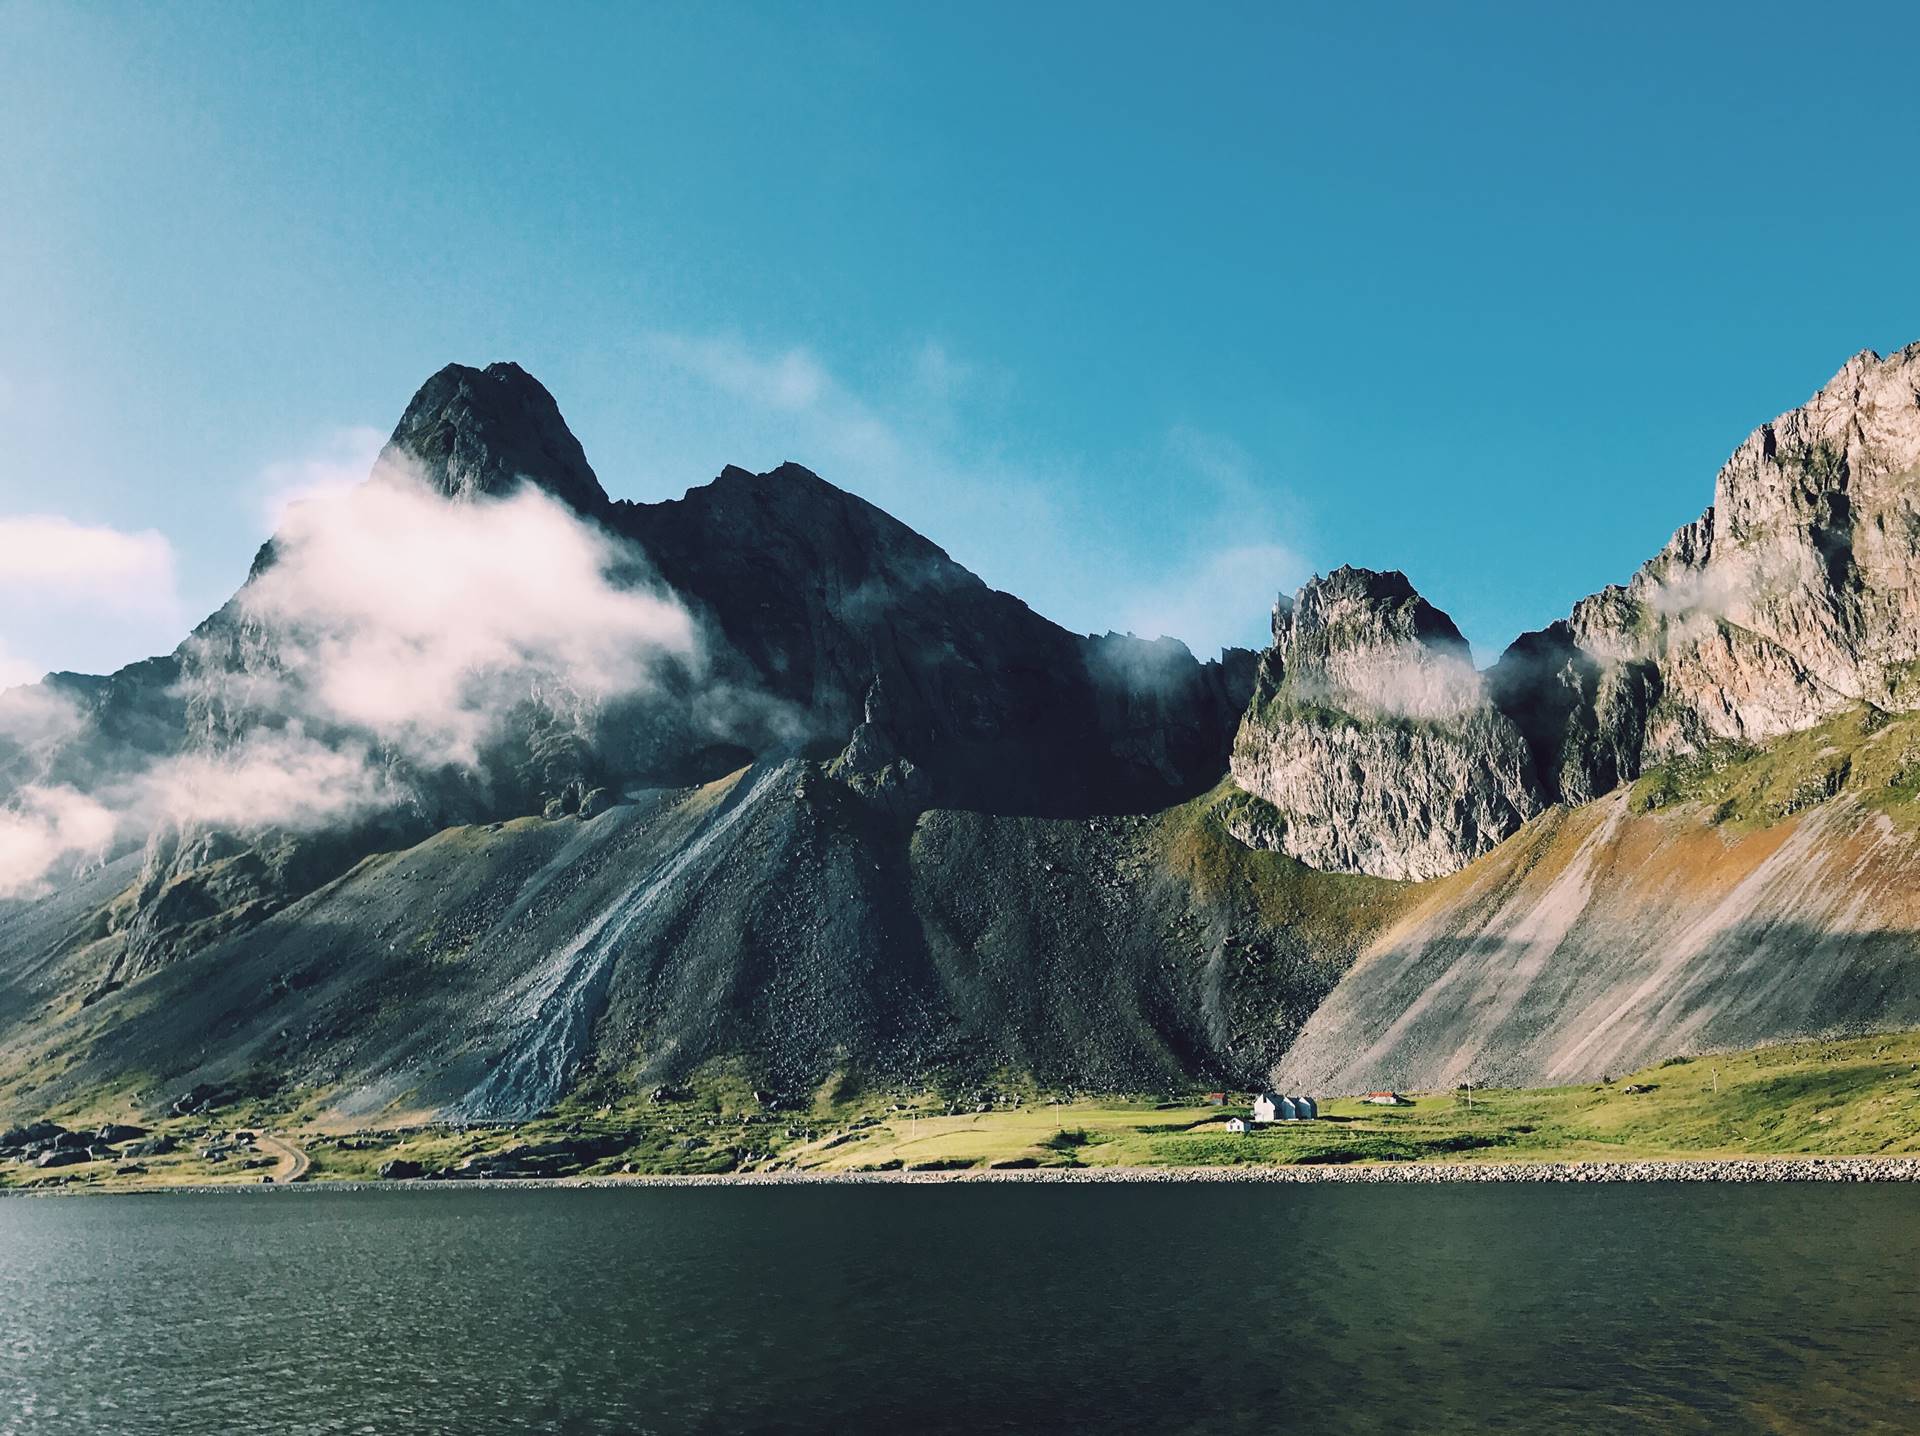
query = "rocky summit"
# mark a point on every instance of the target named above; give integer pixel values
(1371, 739)
(487, 789)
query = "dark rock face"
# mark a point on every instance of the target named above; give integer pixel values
(475, 433)
(871, 640)
(1372, 740)
(835, 646)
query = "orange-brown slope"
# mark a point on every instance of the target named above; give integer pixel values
(1602, 938)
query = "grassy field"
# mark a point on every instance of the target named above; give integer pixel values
(1855, 1097)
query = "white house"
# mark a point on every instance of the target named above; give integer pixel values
(1236, 1124)
(1272, 1107)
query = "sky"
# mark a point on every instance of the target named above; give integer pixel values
(1143, 315)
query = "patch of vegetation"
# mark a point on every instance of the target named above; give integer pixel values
(1858, 1096)
(1865, 752)
(1338, 910)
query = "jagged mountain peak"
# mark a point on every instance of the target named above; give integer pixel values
(1360, 608)
(472, 432)
(1371, 741)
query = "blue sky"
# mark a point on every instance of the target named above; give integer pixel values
(1142, 315)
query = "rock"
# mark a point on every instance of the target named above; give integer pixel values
(473, 433)
(1371, 741)
(594, 802)
(157, 1146)
(1789, 599)
(400, 1169)
(201, 1098)
(112, 1134)
(32, 1133)
(62, 1157)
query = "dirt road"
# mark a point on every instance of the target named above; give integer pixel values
(293, 1162)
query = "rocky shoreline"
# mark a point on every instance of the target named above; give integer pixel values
(1718, 1169)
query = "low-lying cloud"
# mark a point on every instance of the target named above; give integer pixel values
(46, 557)
(42, 827)
(72, 588)
(1407, 680)
(393, 632)
(419, 621)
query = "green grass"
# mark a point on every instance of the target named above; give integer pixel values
(1865, 752)
(1333, 912)
(1854, 1097)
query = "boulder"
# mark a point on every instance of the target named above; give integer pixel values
(400, 1169)
(32, 1133)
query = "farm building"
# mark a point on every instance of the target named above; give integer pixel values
(1236, 1124)
(1386, 1099)
(1274, 1107)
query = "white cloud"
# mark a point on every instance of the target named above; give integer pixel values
(273, 779)
(72, 592)
(938, 373)
(339, 461)
(43, 826)
(420, 621)
(16, 671)
(1223, 600)
(45, 558)
(1406, 680)
(787, 379)
(31, 714)
(402, 626)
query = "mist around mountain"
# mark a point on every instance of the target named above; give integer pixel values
(486, 788)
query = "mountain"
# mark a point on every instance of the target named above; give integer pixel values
(486, 788)
(724, 856)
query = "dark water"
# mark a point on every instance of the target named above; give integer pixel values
(1153, 1308)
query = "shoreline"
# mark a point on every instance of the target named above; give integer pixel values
(1678, 1169)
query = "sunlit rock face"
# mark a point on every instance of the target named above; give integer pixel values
(1791, 598)
(1371, 738)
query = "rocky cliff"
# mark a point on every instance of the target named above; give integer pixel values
(1371, 742)
(1789, 599)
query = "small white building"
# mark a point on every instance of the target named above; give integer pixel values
(1273, 1107)
(1236, 1124)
